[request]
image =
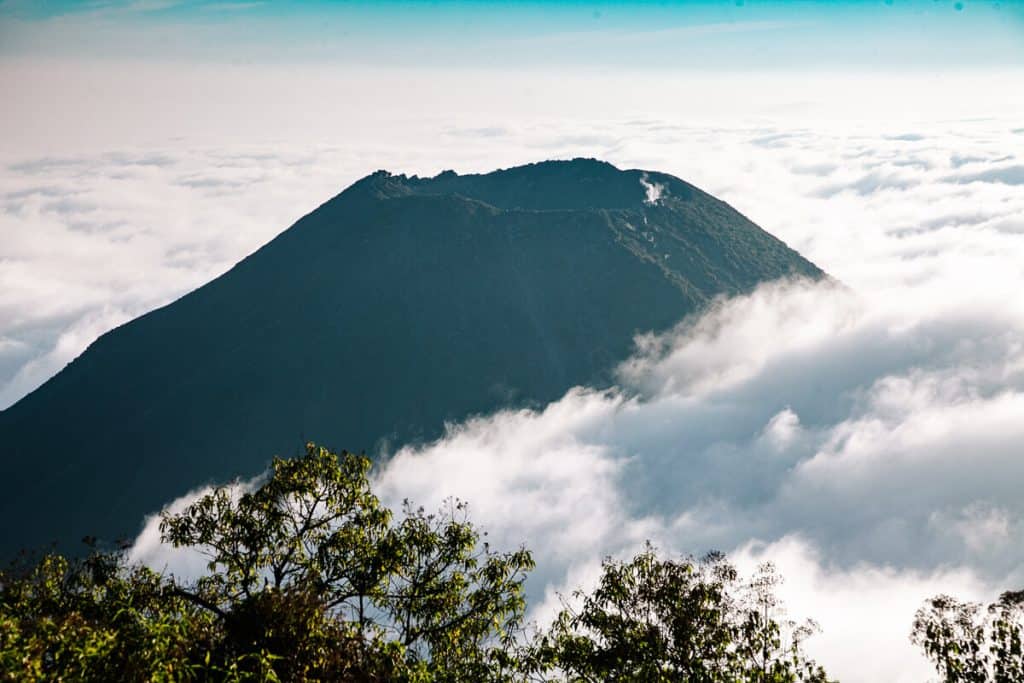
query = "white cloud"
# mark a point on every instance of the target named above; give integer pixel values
(861, 637)
(865, 434)
(872, 451)
(92, 241)
(27, 374)
(783, 429)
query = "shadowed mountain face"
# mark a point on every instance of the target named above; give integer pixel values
(397, 305)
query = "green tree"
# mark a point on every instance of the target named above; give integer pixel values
(969, 644)
(421, 598)
(653, 620)
(309, 578)
(93, 620)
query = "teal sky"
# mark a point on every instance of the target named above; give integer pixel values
(736, 35)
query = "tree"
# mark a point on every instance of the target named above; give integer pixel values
(420, 598)
(969, 644)
(94, 619)
(651, 620)
(310, 578)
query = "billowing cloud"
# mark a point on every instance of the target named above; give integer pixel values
(864, 433)
(870, 449)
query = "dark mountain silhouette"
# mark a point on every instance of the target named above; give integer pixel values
(398, 304)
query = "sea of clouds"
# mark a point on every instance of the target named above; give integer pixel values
(864, 433)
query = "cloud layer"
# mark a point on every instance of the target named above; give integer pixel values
(857, 445)
(864, 433)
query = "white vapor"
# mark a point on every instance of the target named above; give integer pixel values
(652, 190)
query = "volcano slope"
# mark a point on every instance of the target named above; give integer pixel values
(401, 303)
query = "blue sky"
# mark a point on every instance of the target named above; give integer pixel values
(743, 34)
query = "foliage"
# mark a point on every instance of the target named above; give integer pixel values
(311, 578)
(651, 620)
(969, 644)
(94, 620)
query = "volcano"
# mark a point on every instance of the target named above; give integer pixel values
(399, 305)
